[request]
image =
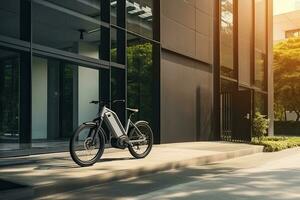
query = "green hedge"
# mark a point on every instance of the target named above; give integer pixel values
(291, 128)
(272, 144)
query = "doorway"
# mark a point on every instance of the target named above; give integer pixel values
(236, 114)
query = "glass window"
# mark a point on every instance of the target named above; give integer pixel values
(260, 103)
(10, 18)
(140, 83)
(9, 100)
(72, 26)
(113, 11)
(117, 45)
(260, 44)
(61, 93)
(118, 91)
(113, 45)
(117, 12)
(227, 39)
(228, 86)
(140, 17)
(292, 33)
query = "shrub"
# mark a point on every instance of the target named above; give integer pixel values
(260, 125)
(272, 144)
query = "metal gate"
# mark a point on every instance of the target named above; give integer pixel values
(226, 116)
(236, 115)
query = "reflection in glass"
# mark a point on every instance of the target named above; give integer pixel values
(72, 26)
(260, 43)
(118, 91)
(117, 46)
(9, 100)
(260, 103)
(113, 45)
(10, 18)
(61, 93)
(140, 77)
(140, 17)
(226, 39)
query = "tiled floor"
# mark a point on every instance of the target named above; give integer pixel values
(14, 149)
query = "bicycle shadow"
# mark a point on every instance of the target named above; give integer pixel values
(114, 159)
(70, 164)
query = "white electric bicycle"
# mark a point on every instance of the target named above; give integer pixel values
(88, 141)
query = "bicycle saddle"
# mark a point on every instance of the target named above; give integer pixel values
(132, 110)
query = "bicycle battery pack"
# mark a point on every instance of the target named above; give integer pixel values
(114, 124)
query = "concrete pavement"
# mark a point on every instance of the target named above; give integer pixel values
(49, 174)
(261, 176)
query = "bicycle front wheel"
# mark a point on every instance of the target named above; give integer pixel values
(140, 149)
(86, 145)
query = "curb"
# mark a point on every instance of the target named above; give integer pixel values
(78, 183)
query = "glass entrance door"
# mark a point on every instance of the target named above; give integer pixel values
(61, 92)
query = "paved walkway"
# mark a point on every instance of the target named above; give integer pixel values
(53, 173)
(261, 176)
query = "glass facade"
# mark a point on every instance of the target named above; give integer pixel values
(61, 92)
(260, 44)
(140, 76)
(260, 103)
(66, 26)
(64, 54)
(233, 86)
(9, 99)
(10, 18)
(227, 67)
(140, 17)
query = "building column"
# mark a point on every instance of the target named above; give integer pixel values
(270, 67)
(25, 76)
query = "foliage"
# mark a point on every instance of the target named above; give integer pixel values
(140, 78)
(272, 144)
(260, 125)
(287, 77)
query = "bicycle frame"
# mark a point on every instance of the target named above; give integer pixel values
(115, 126)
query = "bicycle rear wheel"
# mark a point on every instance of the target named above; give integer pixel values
(141, 149)
(84, 150)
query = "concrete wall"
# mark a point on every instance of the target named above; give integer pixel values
(186, 71)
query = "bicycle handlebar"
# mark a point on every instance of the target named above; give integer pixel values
(104, 101)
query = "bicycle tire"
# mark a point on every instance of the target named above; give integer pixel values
(145, 129)
(99, 153)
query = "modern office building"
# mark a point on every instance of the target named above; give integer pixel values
(286, 25)
(196, 69)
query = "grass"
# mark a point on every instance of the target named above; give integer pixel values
(272, 144)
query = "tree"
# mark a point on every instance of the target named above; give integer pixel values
(287, 77)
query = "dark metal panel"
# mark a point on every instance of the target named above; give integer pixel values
(97, 65)
(121, 46)
(242, 115)
(156, 92)
(156, 20)
(121, 13)
(25, 77)
(105, 10)
(25, 99)
(216, 72)
(235, 39)
(105, 44)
